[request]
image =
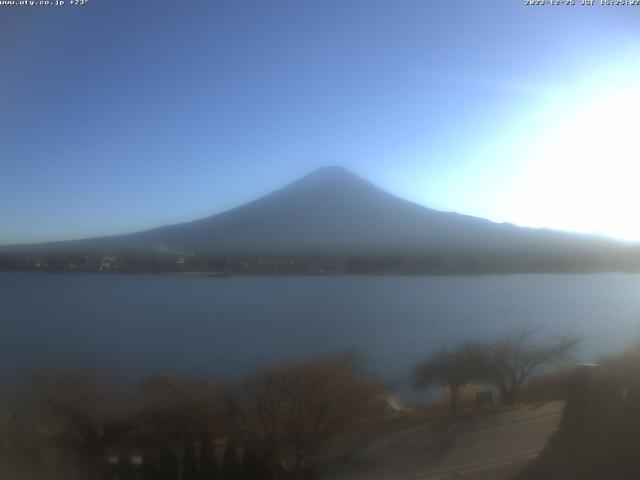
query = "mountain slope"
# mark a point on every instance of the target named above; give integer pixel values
(334, 211)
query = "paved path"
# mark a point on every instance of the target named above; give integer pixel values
(493, 446)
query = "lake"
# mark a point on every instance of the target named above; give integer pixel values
(226, 327)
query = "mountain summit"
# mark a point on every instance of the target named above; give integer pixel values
(333, 174)
(333, 211)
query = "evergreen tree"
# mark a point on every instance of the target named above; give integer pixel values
(149, 468)
(189, 461)
(309, 474)
(254, 467)
(208, 464)
(230, 465)
(168, 468)
(126, 470)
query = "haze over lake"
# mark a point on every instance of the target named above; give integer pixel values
(227, 327)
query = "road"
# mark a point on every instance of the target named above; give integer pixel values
(493, 446)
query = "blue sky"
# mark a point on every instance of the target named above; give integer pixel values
(121, 115)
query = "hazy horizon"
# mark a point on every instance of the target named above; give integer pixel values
(276, 189)
(124, 117)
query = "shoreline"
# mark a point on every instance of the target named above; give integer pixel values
(206, 274)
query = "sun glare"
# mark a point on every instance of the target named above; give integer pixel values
(586, 177)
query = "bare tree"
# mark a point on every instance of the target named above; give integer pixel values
(190, 407)
(511, 359)
(90, 414)
(450, 367)
(286, 414)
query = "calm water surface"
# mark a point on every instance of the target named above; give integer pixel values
(226, 327)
